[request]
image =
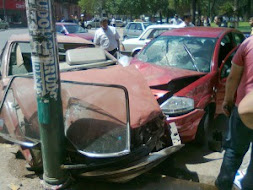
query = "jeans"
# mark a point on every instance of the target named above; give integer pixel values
(237, 144)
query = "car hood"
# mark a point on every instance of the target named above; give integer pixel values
(158, 75)
(142, 104)
(86, 36)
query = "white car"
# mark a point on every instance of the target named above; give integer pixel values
(134, 45)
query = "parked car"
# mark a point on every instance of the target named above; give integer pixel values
(134, 29)
(4, 24)
(73, 29)
(114, 127)
(134, 45)
(119, 23)
(186, 69)
(94, 23)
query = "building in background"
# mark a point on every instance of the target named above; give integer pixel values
(14, 11)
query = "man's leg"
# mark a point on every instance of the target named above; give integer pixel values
(247, 182)
(237, 144)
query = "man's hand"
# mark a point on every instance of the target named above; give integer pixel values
(227, 107)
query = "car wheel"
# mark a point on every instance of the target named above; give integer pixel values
(135, 53)
(89, 27)
(125, 37)
(6, 27)
(203, 132)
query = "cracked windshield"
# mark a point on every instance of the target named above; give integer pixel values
(182, 52)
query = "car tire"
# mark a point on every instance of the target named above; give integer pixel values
(125, 37)
(135, 53)
(203, 131)
(89, 27)
(6, 27)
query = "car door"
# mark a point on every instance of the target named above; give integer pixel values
(229, 45)
(226, 45)
(138, 30)
(224, 71)
(132, 30)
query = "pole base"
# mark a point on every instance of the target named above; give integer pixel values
(46, 186)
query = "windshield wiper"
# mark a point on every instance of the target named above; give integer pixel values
(192, 57)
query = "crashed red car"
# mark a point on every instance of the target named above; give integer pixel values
(186, 70)
(114, 127)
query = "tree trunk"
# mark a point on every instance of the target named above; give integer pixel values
(236, 13)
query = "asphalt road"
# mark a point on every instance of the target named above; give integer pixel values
(190, 168)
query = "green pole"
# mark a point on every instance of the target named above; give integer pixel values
(41, 24)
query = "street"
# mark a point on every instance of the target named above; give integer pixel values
(197, 170)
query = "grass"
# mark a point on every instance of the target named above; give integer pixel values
(243, 26)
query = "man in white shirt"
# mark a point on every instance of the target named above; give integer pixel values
(187, 21)
(176, 20)
(107, 37)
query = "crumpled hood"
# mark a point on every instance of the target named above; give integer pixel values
(158, 75)
(143, 106)
(86, 36)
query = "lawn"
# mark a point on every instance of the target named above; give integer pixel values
(243, 26)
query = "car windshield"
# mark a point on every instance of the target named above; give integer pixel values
(75, 29)
(185, 52)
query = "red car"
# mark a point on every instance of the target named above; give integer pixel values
(186, 70)
(73, 29)
(115, 130)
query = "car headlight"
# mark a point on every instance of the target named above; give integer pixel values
(177, 105)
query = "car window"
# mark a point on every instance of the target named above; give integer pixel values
(20, 56)
(227, 66)
(20, 59)
(132, 27)
(59, 28)
(156, 33)
(226, 46)
(238, 38)
(128, 26)
(138, 27)
(75, 29)
(191, 53)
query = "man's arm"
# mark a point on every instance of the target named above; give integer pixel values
(96, 40)
(232, 84)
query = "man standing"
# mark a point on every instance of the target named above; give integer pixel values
(176, 20)
(113, 22)
(187, 21)
(251, 25)
(107, 37)
(218, 20)
(239, 136)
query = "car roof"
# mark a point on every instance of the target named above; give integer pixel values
(163, 26)
(139, 22)
(66, 23)
(210, 32)
(60, 38)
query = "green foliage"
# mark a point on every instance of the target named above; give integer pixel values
(165, 7)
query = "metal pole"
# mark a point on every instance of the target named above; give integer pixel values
(41, 24)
